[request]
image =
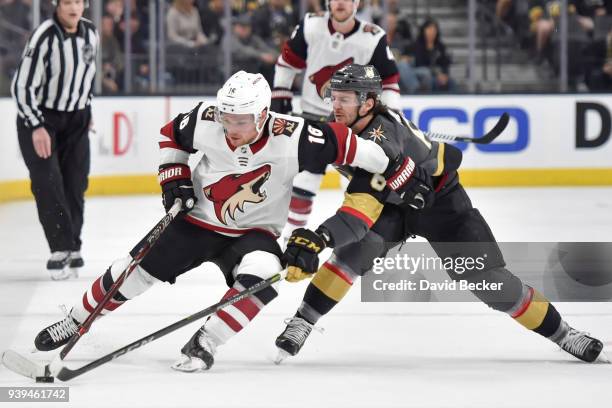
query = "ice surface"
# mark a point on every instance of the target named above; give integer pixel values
(370, 355)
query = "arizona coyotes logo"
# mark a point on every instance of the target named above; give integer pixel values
(321, 77)
(283, 127)
(208, 114)
(232, 191)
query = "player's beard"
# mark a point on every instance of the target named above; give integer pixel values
(348, 17)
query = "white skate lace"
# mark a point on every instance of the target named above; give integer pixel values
(575, 342)
(298, 330)
(64, 328)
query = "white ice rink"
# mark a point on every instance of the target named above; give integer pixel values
(370, 355)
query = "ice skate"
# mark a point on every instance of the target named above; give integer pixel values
(292, 339)
(76, 263)
(57, 334)
(582, 346)
(197, 354)
(59, 265)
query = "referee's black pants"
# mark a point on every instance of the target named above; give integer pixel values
(60, 181)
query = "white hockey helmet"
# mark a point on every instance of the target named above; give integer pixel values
(245, 93)
(355, 2)
(56, 2)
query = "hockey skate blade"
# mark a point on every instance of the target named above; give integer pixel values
(189, 365)
(602, 358)
(281, 356)
(65, 274)
(23, 366)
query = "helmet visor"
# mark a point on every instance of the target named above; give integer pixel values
(236, 122)
(341, 97)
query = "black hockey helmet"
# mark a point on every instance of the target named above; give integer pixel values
(363, 79)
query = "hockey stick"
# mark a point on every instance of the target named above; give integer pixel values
(484, 139)
(141, 249)
(21, 365)
(63, 373)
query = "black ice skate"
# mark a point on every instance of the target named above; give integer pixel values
(197, 354)
(581, 345)
(59, 265)
(76, 263)
(76, 260)
(292, 339)
(57, 334)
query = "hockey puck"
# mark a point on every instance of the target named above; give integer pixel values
(45, 379)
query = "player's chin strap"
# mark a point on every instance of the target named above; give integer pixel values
(263, 126)
(359, 117)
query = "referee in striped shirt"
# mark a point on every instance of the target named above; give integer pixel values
(53, 90)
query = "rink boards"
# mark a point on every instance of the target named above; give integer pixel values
(561, 140)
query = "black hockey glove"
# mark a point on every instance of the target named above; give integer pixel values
(302, 254)
(410, 182)
(175, 181)
(281, 100)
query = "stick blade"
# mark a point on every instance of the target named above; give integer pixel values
(497, 130)
(23, 366)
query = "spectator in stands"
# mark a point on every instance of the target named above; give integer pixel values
(138, 34)
(399, 31)
(240, 7)
(249, 51)
(312, 6)
(184, 26)
(428, 64)
(273, 22)
(112, 56)
(544, 15)
(599, 72)
(138, 25)
(368, 12)
(399, 38)
(114, 9)
(515, 13)
(211, 14)
(15, 27)
(16, 12)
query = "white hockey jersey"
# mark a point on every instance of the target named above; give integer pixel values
(316, 47)
(249, 187)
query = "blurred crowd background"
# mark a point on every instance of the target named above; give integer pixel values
(191, 46)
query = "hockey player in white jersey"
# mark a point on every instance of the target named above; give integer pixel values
(320, 45)
(241, 188)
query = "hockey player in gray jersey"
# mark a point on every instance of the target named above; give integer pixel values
(445, 218)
